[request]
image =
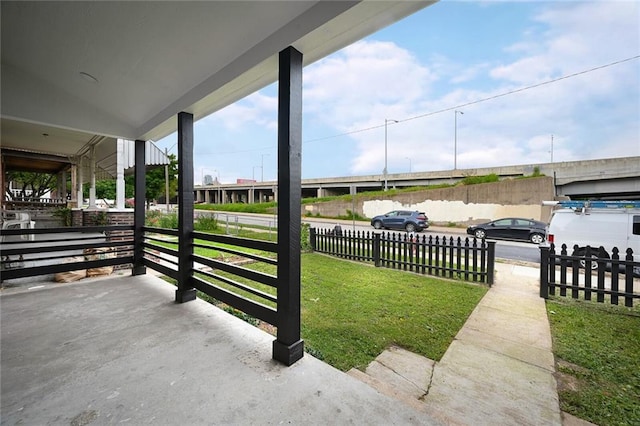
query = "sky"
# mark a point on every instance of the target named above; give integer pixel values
(533, 82)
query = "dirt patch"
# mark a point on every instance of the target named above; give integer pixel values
(567, 382)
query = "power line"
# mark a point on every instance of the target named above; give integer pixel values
(511, 92)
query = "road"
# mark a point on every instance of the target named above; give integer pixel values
(510, 250)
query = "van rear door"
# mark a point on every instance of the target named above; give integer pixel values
(633, 237)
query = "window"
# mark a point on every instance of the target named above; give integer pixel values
(636, 225)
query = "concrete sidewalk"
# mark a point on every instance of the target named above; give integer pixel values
(120, 350)
(498, 370)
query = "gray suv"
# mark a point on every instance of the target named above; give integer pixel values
(401, 219)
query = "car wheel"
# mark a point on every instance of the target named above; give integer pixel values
(410, 227)
(536, 238)
(594, 260)
(480, 233)
(377, 224)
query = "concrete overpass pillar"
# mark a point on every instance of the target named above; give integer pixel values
(207, 196)
(322, 192)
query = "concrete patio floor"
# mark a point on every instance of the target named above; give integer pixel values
(119, 350)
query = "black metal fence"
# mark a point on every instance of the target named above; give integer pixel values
(589, 272)
(35, 252)
(469, 259)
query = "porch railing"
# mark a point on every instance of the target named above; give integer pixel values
(251, 291)
(35, 252)
(585, 274)
(469, 259)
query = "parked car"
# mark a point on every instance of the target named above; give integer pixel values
(602, 225)
(410, 221)
(511, 229)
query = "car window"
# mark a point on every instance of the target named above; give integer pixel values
(405, 213)
(522, 222)
(502, 222)
(636, 225)
(392, 213)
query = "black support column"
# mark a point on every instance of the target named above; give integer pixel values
(288, 347)
(139, 208)
(185, 291)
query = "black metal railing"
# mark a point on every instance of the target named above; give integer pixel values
(245, 289)
(36, 252)
(588, 272)
(469, 259)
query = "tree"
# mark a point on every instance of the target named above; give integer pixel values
(30, 184)
(155, 181)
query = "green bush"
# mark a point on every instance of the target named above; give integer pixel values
(474, 180)
(64, 214)
(205, 223)
(305, 242)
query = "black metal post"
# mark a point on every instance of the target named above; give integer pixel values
(312, 238)
(185, 291)
(628, 279)
(288, 346)
(544, 272)
(491, 261)
(376, 249)
(139, 209)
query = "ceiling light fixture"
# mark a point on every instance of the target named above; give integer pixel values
(88, 77)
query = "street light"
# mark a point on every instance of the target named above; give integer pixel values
(409, 163)
(262, 168)
(455, 138)
(385, 151)
(219, 189)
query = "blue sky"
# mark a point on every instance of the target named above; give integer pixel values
(453, 55)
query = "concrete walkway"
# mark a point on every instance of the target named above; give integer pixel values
(119, 350)
(498, 370)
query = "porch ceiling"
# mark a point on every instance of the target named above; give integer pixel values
(151, 60)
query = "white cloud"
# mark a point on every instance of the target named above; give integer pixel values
(592, 115)
(366, 79)
(257, 108)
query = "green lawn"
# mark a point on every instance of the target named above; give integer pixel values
(351, 312)
(597, 349)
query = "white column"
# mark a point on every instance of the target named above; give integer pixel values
(120, 174)
(80, 195)
(92, 173)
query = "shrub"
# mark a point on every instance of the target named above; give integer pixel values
(169, 221)
(305, 242)
(474, 180)
(205, 223)
(64, 214)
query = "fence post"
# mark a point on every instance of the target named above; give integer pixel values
(544, 272)
(628, 278)
(376, 249)
(312, 238)
(491, 261)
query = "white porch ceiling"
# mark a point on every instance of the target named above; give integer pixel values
(152, 60)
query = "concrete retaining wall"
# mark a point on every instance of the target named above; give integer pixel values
(460, 204)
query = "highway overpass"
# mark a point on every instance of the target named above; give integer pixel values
(612, 178)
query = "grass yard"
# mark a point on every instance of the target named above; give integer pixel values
(597, 349)
(351, 311)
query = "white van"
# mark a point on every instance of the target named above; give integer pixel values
(605, 224)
